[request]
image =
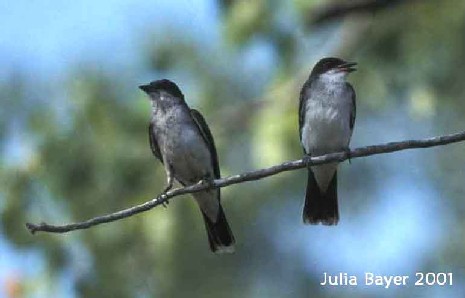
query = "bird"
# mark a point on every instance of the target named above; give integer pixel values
(326, 121)
(181, 139)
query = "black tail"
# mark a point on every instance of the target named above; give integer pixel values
(219, 234)
(320, 207)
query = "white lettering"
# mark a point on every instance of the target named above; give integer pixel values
(385, 281)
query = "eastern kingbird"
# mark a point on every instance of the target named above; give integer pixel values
(181, 140)
(326, 122)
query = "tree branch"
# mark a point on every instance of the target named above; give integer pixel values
(250, 176)
(337, 10)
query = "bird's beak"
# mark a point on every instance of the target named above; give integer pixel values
(144, 88)
(347, 67)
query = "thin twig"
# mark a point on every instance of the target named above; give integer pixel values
(337, 9)
(250, 176)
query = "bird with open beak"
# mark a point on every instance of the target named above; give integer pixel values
(326, 122)
(181, 140)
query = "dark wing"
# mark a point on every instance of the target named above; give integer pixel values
(208, 138)
(354, 107)
(302, 102)
(153, 143)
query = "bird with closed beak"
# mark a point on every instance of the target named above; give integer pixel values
(181, 140)
(326, 123)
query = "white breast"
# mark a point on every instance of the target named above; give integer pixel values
(326, 127)
(327, 122)
(191, 160)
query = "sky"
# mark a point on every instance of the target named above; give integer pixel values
(46, 36)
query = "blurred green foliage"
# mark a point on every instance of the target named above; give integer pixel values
(96, 159)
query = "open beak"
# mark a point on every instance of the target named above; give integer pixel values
(347, 67)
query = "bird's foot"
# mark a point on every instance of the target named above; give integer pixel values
(307, 159)
(207, 180)
(348, 154)
(163, 200)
